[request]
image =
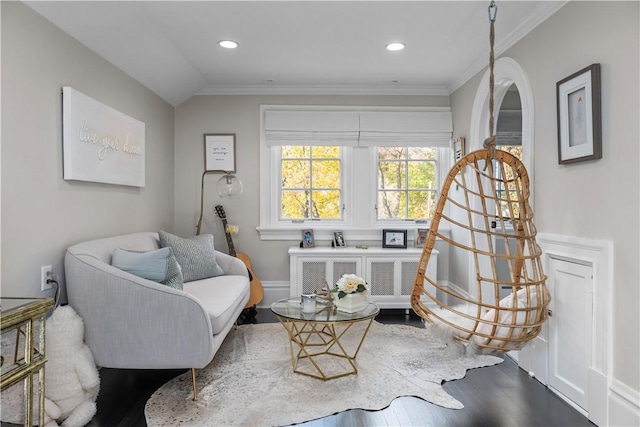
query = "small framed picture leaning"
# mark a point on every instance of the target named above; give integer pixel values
(308, 240)
(338, 240)
(421, 236)
(394, 239)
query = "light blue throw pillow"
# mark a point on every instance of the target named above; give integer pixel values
(196, 255)
(160, 265)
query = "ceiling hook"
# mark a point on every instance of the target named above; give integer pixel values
(493, 11)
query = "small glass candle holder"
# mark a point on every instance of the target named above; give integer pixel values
(308, 303)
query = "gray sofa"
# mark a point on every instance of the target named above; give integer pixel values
(131, 322)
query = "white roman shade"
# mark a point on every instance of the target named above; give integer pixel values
(509, 127)
(410, 128)
(311, 127)
(429, 127)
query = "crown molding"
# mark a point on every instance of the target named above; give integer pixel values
(271, 89)
(545, 10)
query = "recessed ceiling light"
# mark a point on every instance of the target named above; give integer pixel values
(395, 46)
(228, 44)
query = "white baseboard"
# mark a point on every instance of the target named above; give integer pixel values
(597, 396)
(274, 291)
(624, 405)
(454, 288)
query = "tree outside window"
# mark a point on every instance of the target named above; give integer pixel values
(310, 182)
(508, 195)
(407, 186)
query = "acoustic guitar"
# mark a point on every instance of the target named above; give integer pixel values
(256, 290)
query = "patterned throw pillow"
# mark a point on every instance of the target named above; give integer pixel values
(195, 255)
(160, 265)
(174, 278)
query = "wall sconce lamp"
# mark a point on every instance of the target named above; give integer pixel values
(220, 157)
(228, 186)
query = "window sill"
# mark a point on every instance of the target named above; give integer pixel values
(351, 235)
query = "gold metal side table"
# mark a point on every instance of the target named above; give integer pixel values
(25, 315)
(324, 344)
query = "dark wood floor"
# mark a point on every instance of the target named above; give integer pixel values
(497, 396)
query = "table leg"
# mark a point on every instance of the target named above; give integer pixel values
(328, 338)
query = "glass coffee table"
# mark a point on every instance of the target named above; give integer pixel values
(324, 344)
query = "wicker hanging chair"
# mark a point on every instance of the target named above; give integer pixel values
(489, 218)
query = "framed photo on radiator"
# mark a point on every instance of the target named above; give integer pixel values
(394, 239)
(308, 240)
(421, 236)
(338, 239)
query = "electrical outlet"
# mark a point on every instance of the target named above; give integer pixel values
(45, 273)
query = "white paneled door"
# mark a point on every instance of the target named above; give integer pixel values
(570, 329)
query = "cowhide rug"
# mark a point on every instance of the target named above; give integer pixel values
(250, 380)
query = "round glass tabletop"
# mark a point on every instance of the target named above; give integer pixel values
(291, 308)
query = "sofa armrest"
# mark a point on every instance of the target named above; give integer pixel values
(131, 322)
(231, 265)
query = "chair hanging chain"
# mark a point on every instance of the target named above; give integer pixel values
(490, 142)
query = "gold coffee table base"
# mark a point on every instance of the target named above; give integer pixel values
(321, 344)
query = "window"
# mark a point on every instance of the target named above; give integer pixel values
(407, 183)
(509, 139)
(310, 182)
(503, 193)
(354, 169)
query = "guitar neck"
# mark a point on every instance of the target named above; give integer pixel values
(232, 249)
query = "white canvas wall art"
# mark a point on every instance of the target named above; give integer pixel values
(101, 144)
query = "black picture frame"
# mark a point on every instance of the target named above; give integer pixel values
(579, 116)
(338, 240)
(394, 239)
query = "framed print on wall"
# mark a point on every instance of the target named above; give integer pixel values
(100, 143)
(458, 149)
(394, 239)
(579, 116)
(220, 152)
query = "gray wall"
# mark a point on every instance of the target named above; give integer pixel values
(241, 115)
(41, 213)
(594, 199)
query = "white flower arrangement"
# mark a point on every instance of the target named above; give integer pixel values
(349, 284)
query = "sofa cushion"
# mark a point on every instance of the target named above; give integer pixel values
(160, 265)
(220, 296)
(195, 255)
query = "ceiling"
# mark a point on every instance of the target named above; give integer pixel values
(295, 47)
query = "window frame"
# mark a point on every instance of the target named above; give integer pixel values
(344, 189)
(440, 154)
(358, 213)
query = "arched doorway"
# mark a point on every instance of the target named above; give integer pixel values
(508, 75)
(507, 72)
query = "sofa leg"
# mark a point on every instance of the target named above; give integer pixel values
(195, 387)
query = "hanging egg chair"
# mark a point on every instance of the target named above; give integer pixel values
(486, 217)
